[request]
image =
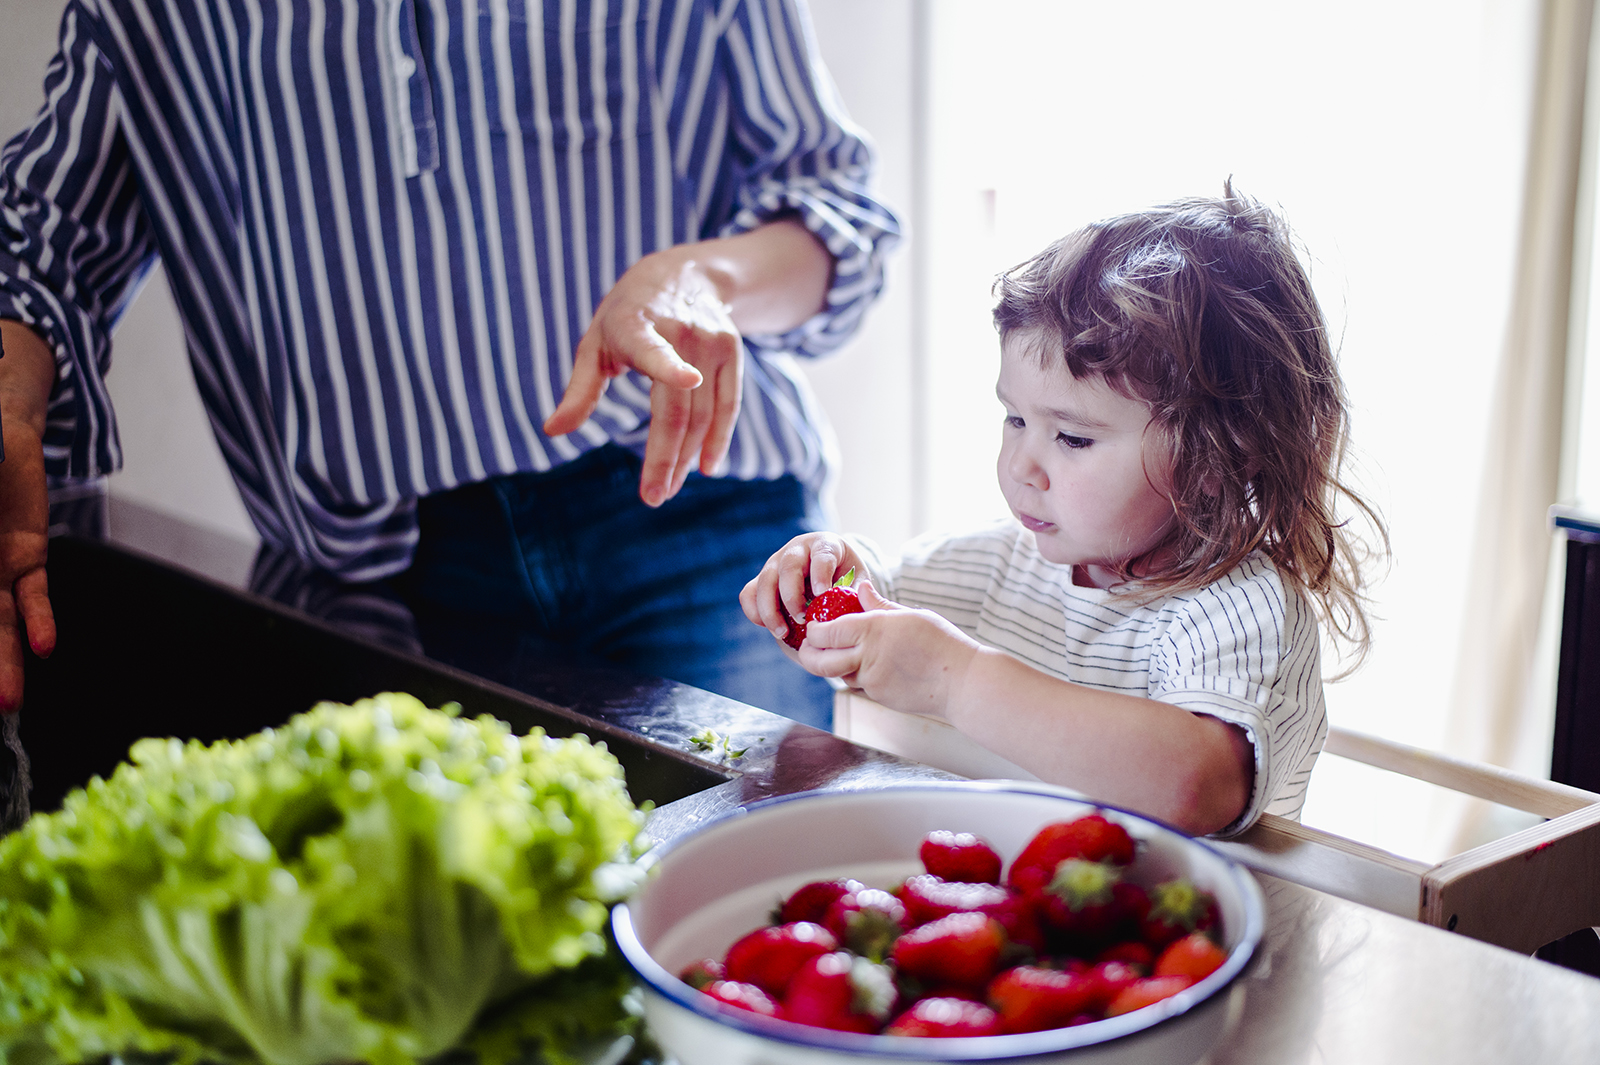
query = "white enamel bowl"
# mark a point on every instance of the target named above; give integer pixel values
(710, 887)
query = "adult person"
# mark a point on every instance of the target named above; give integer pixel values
(398, 234)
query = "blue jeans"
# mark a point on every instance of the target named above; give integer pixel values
(580, 567)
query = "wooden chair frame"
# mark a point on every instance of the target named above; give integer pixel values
(1520, 892)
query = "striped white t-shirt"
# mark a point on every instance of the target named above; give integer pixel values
(387, 223)
(1244, 648)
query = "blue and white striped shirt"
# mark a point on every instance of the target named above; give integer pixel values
(386, 224)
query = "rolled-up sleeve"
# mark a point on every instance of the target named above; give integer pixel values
(1246, 652)
(74, 243)
(798, 154)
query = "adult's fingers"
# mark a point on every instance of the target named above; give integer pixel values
(724, 405)
(670, 410)
(38, 619)
(10, 655)
(583, 389)
(613, 343)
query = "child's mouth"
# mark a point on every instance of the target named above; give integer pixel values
(1033, 524)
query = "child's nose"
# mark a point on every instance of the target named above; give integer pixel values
(1025, 470)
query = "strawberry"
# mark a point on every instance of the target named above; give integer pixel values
(769, 957)
(1114, 977)
(928, 898)
(1031, 999)
(1088, 903)
(1177, 907)
(1019, 916)
(742, 996)
(797, 630)
(962, 949)
(961, 857)
(834, 602)
(1196, 955)
(810, 902)
(1146, 992)
(1131, 951)
(866, 921)
(945, 1018)
(840, 991)
(699, 974)
(1091, 837)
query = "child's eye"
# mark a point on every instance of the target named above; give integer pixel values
(1073, 442)
(1014, 421)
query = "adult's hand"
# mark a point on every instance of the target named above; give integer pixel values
(26, 374)
(677, 316)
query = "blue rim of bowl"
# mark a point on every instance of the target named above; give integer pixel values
(978, 1048)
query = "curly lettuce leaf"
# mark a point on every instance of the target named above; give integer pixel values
(360, 884)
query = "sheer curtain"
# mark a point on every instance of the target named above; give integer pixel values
(1396, 140)
(1502, 700)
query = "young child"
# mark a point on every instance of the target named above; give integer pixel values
(1146, 629)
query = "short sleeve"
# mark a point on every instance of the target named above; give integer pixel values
(1245, 650)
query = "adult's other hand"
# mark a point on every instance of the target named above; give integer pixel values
(26, 374)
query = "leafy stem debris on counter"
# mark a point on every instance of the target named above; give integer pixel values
(379, 883)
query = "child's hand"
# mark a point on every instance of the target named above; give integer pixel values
(908, 660)
(802, 567)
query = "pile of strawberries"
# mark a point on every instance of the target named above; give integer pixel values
(1066, 938)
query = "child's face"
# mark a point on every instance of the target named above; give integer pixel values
(1076, 465)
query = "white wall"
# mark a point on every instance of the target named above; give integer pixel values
(171, 461)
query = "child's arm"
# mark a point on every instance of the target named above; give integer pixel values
(1190, 770)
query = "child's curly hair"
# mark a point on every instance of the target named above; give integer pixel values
(1202, 309)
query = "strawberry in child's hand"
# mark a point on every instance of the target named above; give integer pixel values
(962, 949)
(834, 602)
(769, 957)
(1177, 907)
(842, 992)
(837, 601)
(797, 630)
(948, 1018)
(1032, 999)
(1091, 837)
(743, 996)
(1196, 955)
(961, 857)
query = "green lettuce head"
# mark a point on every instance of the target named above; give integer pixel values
(359, 885)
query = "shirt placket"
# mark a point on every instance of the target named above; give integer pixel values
(413, 90)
